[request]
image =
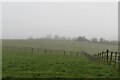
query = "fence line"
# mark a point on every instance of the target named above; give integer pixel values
(104, 56)
(108, 57)
(46, 51)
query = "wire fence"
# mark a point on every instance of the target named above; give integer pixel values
(45, 51)
(104, 56)
(108, 57)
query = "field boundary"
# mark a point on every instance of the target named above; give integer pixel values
(45, 51)
(109, 57)
(106, 56)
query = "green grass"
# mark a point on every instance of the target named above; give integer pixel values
(91, 48)
(36, 65)
(0, 60)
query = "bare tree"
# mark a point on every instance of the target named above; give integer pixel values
(49, 36)
(102, 40)
(63, 38)
(80, 38)
(56, 37)
(94, 39)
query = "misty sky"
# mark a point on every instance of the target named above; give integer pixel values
(90, 19)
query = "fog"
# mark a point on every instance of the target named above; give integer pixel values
(70, 19)
(0, 23)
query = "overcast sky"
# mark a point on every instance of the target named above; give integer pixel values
(90, 19)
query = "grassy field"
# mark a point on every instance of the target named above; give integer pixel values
(0, 59)
(18, 64)
(0, 65)
(91, 48)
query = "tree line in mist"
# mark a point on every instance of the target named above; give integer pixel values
(79, 38)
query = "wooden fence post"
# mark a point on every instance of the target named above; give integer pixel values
(119, 61)
(111, 58)
(45, 51)
(98, 56)
(32, 49)
(51, 51)
(107, 55)
(102, 55)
